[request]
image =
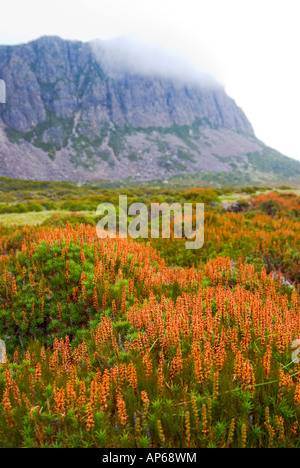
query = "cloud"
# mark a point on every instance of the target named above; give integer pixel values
(127, 54)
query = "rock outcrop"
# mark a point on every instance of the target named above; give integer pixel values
(74, 114)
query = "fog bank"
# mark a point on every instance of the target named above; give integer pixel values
(129, 55)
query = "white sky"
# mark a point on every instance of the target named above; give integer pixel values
(251, 46)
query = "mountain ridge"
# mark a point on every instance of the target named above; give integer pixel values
(68, 118)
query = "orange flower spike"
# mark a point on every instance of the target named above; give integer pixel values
(89, 418)
(130, 286)
(132, 376)
(59, 399)
(82, 278)
(95, 298)
(31, 280)
(105, 389)
(146, 403)
(148, 364)
(28, 356)
(238, 365)
(38, 372)
(16, 356)
(176, 363)
(14, 286)
(16, 393)
(53, 361)
(104, 299)
(7, 408)
(267, 361)
(114, 308)
(74, 294)
(248, 374)
(121, 409)
(286, 381)
(8, 381)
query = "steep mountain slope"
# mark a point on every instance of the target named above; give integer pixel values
(88, 111)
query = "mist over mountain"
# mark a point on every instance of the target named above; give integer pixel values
(123, 110)
(127, 55)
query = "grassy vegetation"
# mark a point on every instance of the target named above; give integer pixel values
(270, 161)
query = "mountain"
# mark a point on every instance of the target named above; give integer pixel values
(110, 110)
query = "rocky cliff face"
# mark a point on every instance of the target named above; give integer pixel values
(72, 113)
